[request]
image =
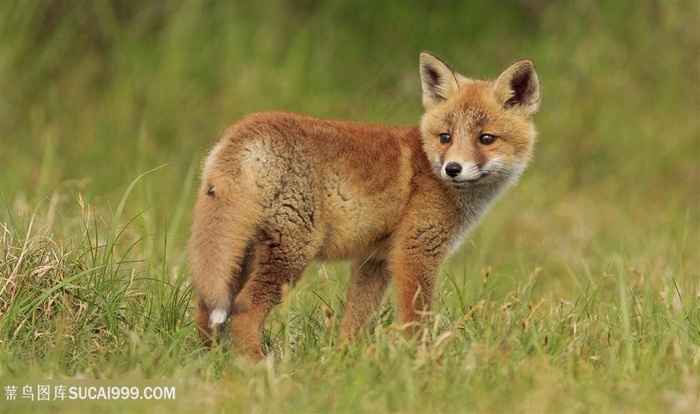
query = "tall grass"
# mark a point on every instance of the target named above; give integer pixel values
(578, 293)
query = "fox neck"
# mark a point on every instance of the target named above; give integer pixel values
(474, 202)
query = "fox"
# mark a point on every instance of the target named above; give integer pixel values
(280, 190)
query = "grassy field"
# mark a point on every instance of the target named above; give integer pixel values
(579, 292)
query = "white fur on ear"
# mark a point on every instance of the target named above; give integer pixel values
(519, 87)
(438, 80)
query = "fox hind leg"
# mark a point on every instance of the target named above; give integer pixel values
(284, 250)
(201, 318)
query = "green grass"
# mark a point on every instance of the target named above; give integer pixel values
(579, 292)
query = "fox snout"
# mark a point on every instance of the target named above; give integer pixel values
(459, 172)
(453, 169)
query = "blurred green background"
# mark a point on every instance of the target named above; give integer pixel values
(93, 93)
(578, 292)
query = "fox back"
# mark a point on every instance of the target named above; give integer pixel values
(280, 190)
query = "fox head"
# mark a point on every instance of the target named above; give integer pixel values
(478, 132)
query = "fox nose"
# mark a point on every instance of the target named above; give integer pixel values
(453, 169)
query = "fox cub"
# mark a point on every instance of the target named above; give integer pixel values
(280, 190)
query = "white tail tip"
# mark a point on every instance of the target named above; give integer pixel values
(217, 317)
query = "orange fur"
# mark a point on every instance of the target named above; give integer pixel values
(280, 190)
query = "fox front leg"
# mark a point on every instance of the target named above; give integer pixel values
(416, 265)
(415, 291)
(368, 284)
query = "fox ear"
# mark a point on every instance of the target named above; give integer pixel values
(519, 87)
(438, 80)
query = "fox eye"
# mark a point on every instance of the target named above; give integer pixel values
(486, 139)
(445, 138)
